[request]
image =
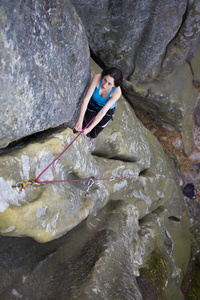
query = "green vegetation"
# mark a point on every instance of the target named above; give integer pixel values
(193, 284)
(154, 278)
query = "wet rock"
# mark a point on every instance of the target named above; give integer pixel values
(45, 66)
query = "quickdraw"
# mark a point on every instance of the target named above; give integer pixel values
(90, 183)
(20, 185)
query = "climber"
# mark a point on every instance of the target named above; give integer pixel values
(99, 102)
(190, 191)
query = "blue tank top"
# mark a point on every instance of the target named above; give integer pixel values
(100, 100)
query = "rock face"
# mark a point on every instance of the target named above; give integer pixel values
(143, 38)
(197, 112)
(151, 42)
(120, 217)
(195, 62)
(45, 66)
(116, 147)
(125, 216)
(171, 100)
(94, 261)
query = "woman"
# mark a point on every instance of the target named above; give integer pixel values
(99, 102)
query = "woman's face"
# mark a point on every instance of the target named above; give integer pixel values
(107, 82)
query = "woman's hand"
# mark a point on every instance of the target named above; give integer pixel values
(78, 126)
(86, 131)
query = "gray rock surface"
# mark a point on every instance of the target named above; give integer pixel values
(45, 66)
(171, 100)
(151, 42)
(111, 232)
(197, 112)
(195, 63)
(143, 38)
(125, 146)
(94, 261)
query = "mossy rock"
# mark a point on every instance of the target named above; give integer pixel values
(154, 277)
(191, 285)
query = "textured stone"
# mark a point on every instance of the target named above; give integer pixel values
(45, 66)
(172, 100)
(101, 257)
(125, 145)
(186, 40)
(195, 63)
(48, 211)
(151, 42)
(143, 38)
(125, 218)
(197, 112)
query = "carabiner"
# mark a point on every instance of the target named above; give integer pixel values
(20, 185)
(33, 182)
(90, 183)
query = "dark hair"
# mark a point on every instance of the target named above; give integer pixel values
(115, 73)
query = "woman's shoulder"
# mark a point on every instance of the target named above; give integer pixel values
(118, 91)
(96, 80)
(97, 76)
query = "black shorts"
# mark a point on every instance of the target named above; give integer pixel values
(90, 113)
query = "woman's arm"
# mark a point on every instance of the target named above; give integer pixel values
(115, 96)
(94, 83)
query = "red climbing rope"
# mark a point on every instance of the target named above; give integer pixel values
(102, 179)
(91, 179)
(62, 152)
(21, 185)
